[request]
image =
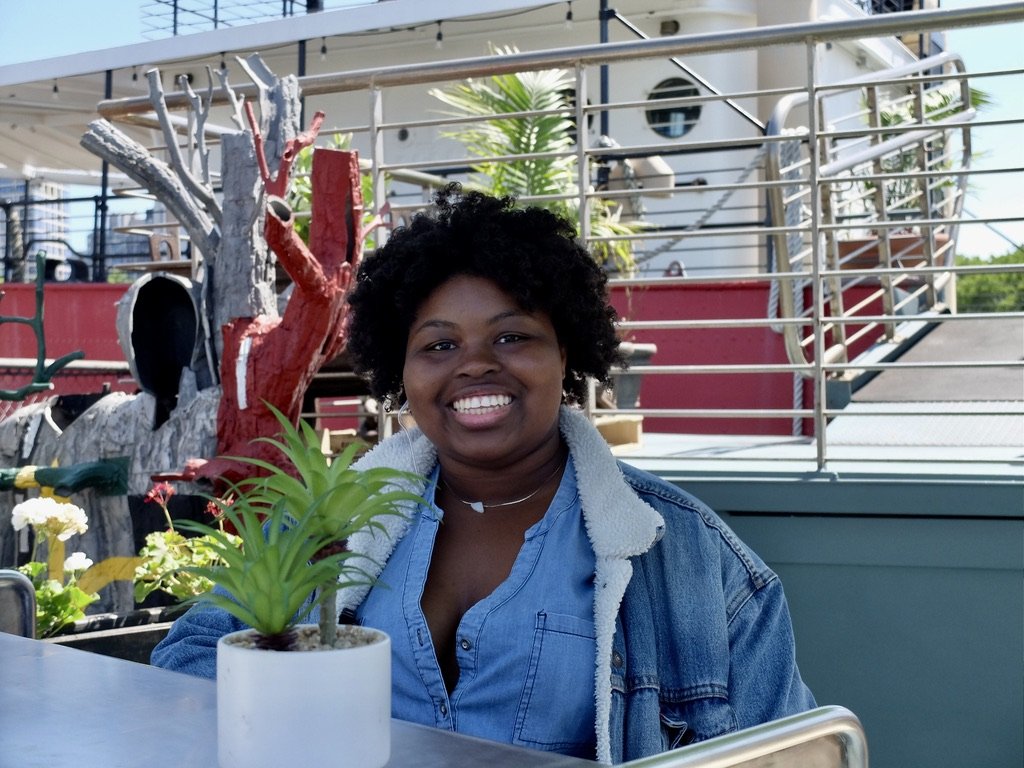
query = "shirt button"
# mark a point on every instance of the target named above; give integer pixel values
(616, 659)
(444, 709)
(464, 644)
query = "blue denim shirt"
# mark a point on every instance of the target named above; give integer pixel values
(525, 652)
(692, 632)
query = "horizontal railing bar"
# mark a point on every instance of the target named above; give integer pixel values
(791, 412)
(923, 365)
(930, 319)
(29, 363)
(661, 370)
(603, 53)
(668, 325)
(714, 413)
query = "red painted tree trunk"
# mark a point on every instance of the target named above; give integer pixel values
(273, 360)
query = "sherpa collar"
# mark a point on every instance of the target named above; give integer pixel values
(619, 526)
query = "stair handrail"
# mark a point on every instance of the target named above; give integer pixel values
(777, 133)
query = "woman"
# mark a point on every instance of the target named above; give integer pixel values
(547, 596)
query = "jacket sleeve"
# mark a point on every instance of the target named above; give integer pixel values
(764, 681)
(191, 644)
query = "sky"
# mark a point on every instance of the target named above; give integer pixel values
(27, 34)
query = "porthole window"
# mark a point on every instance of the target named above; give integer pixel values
(673, 121)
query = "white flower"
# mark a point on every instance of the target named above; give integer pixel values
(32, 512)
(58, 518)
(77, 562)
(72, 520)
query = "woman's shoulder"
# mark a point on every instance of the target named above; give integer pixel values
(646, 483)
(690, 525)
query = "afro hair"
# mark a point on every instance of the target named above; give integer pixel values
(529, 253)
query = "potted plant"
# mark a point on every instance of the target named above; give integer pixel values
(66, 587)
(284, 686)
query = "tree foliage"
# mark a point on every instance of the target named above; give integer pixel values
(521, 140)
(993, 292)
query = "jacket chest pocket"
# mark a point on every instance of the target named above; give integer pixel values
(556, 710)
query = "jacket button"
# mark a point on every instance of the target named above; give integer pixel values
(464, 644)
(616, 659)
(444, 709)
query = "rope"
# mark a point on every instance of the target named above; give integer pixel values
(709, 212)
(789, 155)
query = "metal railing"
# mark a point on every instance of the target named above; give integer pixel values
(825, 737)
(741, 213)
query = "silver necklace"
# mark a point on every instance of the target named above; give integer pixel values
(479, 506)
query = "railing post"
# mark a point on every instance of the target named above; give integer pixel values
(881, 207)
(817, 294)
(927, 162)
(582, 160)
(377, 158)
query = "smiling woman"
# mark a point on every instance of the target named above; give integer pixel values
(485, 320)
(543, 594)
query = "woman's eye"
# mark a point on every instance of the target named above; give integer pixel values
(440, 346)
(510, 338)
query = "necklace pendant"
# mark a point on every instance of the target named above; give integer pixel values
(477, 506)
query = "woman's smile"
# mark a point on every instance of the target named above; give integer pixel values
(481, 404)
(481, 411)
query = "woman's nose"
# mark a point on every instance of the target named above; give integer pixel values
(478, 360)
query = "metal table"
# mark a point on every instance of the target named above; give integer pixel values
(64, 707)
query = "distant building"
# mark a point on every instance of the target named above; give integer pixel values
(132, 236)
(40, 210)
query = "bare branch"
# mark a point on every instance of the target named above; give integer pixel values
(257, 141)
(250, 66)
(119, 149)
(238, 115)
(156, 98)
(200, 112)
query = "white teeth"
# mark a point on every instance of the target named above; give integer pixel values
(481, 404)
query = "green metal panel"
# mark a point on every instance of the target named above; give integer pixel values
(907, 595)
(916, 625)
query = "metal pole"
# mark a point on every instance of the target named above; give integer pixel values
(817, 289)
(99, 265)
(603, 19)
(302, 73)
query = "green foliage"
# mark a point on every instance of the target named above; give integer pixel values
(537, 143)
(937, 104)
(293, 522)
(538, 136)
(57, 605)
(167, 559)
(994, 292)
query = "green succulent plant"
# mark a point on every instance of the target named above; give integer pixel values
(294, 521)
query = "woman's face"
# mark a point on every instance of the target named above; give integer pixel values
(483, 377)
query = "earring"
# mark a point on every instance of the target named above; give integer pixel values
(405, 417)
(405, 411)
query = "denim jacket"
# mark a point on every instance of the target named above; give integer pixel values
(693, 635)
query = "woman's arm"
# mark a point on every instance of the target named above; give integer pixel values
(191, 644)
(764, 681)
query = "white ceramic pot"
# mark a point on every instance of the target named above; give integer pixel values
(278, 708)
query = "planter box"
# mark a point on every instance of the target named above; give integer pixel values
(131, 636)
